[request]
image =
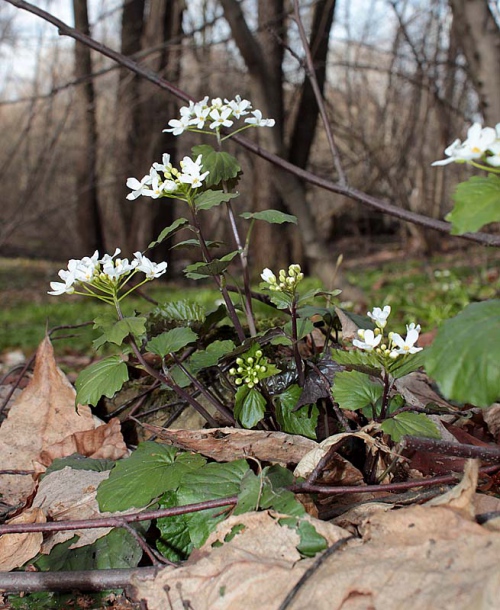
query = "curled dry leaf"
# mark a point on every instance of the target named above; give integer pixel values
(227, 444)
(17, 549)
(309, 461)
(43, 414)
(104, 442)
(461, 497)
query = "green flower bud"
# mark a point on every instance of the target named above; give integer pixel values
(238, 381)
(232, 371)
(239, 361)
(250, 360)
(250, 385)
(258, 353)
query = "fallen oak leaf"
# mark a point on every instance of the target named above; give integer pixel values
(103, 442)
(43, 414)
(17, 549)
(227, 444)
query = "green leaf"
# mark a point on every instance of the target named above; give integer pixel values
(408, 423)
(134, 326)
(275, 494)
(150, 470)
(79, 462)
(477, 203)
(311, 542)
(222, 166)
(118, 549)
(301, 421)
(407, 364)
(194, 243)
(465, 355)
(171, 341)
(175, 542)
(304, 328)
(354, 390)
(183, 311)
(280, 299)
(249, 406)
(103, 378)
(211, 356)
(365, 361)
(270, 216)
(168, 231)
(210, 199)
(210, 482)
(216, 267)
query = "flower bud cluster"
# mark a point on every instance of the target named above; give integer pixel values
(285, 282)
(163, 180)
(215, 114)
(395, 346)
(250, 370)
(106, 274)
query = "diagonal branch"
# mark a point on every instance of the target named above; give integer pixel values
(334, 187)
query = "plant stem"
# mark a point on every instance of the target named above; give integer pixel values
(208, 395)
(220, 283)
(385, 396)
(295, 347)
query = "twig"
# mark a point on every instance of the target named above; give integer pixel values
(118, 521)
(310, 571)
(489, 453)
(81, 580)
(334, 187)
(355, 489)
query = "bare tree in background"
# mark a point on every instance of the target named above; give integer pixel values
(478, 34)
(154, 31)
(88, 209)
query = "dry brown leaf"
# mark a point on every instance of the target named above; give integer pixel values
(461, 497)
(226, 444)
(419, 557)
(309, 461)
(17, 549)
(254, 570)
(349, 328)
(417, 392)
(44, 414)
(104, 442)
(492, 418)
(67, 495)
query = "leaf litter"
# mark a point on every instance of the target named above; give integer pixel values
(428, 556)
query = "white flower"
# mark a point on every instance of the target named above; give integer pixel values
(369, 340)
(138, 188)
(220, 118)
(494, 149)
(238, 106)
(178, 126)
(413, 326)
(85, 269)
(165, 166)
(191, 172)
(258, 121)
(268, 276)
(379, 316)
(152, 270)
(217, 103)
(200, 116)
(64, 287)
(187, 111)
(117, 268)
(478, 141)
(405, 346)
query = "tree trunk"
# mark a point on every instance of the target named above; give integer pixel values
(90, 227)
(479, 38)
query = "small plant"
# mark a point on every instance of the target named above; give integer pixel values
(267, 376)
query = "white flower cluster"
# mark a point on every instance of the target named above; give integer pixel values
(285, 282)
(482, 143)
(164, 180)
(215, 114)
(103, 272)
(397, 346)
